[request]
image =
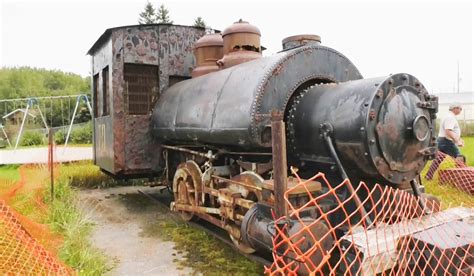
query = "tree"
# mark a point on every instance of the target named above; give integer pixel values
(198, 22)
(83, 115)
(148, 16)
(162, 15)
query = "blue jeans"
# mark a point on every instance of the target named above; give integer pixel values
(447, 146)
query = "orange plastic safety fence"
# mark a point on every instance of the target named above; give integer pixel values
(397, 234)
(20, 254)
(446, 170)
(27, 247)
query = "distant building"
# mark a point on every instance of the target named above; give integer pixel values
(465, 98)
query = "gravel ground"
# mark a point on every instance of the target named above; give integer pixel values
(120, 216)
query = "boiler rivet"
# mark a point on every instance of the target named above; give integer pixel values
(379, 93)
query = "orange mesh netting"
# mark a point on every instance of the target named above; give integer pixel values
(25, 198)
(398, 235)
(445, 170)
(27, 247)
(20, 253)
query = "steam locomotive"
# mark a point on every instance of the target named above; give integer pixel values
(377, 130)
(210, 136)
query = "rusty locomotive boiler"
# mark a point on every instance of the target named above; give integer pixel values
(210, 137)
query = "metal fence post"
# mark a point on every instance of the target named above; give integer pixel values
(51, 161)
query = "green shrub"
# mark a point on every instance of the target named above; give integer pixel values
(60, 137)
(32, 138)
(3, 143)
(81, 134)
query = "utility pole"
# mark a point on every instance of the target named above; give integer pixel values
(458, 76)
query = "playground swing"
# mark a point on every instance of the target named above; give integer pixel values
(5, 135)
(62, 106)
(78, 100)
(62, 114)
(42, 106)
(3, 128)
(69, 110)
(30, 103)
(51, 111)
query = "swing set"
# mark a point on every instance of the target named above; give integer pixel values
(36, 103)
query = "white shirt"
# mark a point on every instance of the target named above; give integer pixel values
(449, 122)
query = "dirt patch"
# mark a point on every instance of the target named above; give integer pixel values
(120, 216)
(143, 237)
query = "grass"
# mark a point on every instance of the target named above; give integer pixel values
(43, 146)
(84, 174)
(9, 172)
(76, 145)
(59, 226)
(468, 150)
(449, 195)
(202, 252)
(23, 200)
(65, 219)
(63, 216)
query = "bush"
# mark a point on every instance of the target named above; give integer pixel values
(82, 134)
(79, 135)
(60, 137)
(3, 143)
(32, 138)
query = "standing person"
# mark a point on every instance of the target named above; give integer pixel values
(449, 137)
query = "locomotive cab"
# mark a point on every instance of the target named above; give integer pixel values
(131, 67)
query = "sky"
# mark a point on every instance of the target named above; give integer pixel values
(427, 39)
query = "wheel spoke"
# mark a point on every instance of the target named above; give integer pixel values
(187, 181)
